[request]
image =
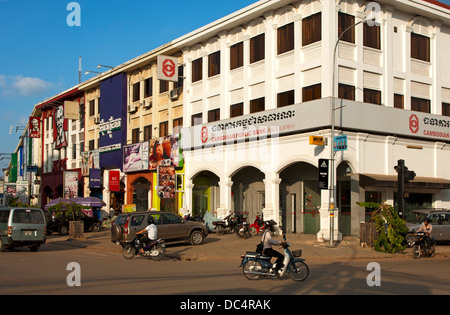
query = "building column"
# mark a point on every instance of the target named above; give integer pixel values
(272, 197)
(225, 198)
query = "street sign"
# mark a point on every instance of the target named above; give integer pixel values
(340, 143)
(323, 173)
(316, 140)
(167, 68)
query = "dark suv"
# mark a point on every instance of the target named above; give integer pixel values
(171, 227)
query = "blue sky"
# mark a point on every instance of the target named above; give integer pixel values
(39, 51)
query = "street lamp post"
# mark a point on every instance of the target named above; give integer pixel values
(332, 153)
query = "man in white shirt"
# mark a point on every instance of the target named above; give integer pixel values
(152, 233)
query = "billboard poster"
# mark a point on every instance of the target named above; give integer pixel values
(34, 127)
(22, 192)
(89, 159)
(135, 157)
(165, 151)
(10, 191)
(166, 181)
(59, 127)
(70, 184)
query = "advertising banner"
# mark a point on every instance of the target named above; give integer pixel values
(135, 157)
(59, 127)
(34, 127)
(89, 159)
(166, 181)
(70, 184)
(165, 151)
(113, 121)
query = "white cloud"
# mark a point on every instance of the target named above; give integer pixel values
(24, 86)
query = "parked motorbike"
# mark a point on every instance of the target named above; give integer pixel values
(155, 250)
(242, 227)
(227, 224)
(420, 247)
(257, 226)
(255, 266)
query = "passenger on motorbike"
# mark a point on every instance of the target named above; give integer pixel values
(268, 241)
(427, 228)
(152, 233)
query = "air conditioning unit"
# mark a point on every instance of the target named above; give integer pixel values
(173, 95)
(147, 103)
(131, 108)
(97, 119)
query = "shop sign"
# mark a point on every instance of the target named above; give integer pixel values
(323, 173)
(114, 180)
(340, 143)
(34, 127)
(94, 178)
(109, 126)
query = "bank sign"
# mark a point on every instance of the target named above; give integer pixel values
(314, 115)
(430, 126)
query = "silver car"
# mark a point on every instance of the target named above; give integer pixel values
(440, 220)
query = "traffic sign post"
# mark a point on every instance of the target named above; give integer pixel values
(404, 176)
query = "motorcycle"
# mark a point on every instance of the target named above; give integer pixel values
(241, 226)
(155, 250)
(256, 227)
(227, 224)
(420, 248)
(255, 265)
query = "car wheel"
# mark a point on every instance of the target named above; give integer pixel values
(196, 238)
(95, 227)
(63, 230)
(116, 233)
(410, 239)
(2, 246)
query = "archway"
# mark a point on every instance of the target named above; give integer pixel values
(248, 194)
(205, 193)
(141, 188)
(344, 197)
(300, 198)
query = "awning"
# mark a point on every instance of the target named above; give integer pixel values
(380, 180)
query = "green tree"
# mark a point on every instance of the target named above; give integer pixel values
(391, 229)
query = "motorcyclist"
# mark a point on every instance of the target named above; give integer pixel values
(151, 232)
(268, 241)
(427, 228)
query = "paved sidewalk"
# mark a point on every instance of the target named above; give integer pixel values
(229, 247)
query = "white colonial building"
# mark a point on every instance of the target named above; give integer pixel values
(259, 83)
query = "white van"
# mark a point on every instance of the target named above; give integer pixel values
(22, 227)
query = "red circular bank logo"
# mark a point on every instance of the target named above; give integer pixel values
(168, 68)
(413, 123)
(204, 134)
